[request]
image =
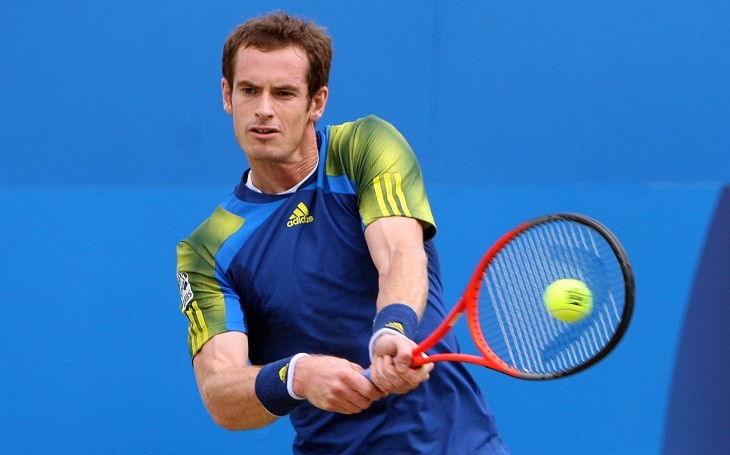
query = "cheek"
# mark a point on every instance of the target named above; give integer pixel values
(239, 128)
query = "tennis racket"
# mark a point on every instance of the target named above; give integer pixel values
(508, 320)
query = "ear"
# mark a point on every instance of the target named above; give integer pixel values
(319, 101)
(226, 93)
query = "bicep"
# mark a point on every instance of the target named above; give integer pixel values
(389, 235)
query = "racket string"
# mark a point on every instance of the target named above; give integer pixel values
(521, 331)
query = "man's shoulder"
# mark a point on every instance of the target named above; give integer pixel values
(349, 142)
(362, 125)
(215, 229)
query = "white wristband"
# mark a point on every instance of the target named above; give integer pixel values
(376, 335)
(290, 375)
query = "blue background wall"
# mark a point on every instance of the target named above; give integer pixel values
(114, 146)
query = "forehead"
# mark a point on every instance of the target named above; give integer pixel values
(288, 64)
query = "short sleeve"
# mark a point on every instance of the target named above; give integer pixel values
(384, 168)
(207, 299)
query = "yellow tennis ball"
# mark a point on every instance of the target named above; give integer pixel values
(568, 300)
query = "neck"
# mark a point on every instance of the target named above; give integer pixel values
(276, 177)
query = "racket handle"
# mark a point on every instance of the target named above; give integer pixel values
(419, 359)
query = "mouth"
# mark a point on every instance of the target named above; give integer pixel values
(263, 130)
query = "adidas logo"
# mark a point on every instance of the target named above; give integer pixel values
(283, 372)
(397, 326)
(300, 215)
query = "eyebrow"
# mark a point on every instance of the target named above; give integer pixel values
(285, 87)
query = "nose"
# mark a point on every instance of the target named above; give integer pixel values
(264, 108)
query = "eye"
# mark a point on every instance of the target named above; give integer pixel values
(248, 90)
(283, 94)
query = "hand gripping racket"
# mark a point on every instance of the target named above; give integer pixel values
(505, 309)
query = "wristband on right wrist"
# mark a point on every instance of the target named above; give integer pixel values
(273, 386)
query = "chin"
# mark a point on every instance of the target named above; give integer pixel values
(271, 156)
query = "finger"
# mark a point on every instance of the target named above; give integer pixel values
(369, 390)
(428, 367)
(415, 376)
(403, 358)
(403, 364)
(364, 393)
(345, 408)
(424, 369)
(358, 403)
(384, 373)
(366, 388)
(349, 402)
(398, 382)
(376, 374)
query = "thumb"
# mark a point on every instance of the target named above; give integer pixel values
(403, 358)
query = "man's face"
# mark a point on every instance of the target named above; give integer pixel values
(269, 103)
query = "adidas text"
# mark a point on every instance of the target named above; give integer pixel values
(299, 220)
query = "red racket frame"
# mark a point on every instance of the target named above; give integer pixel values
(469, 303)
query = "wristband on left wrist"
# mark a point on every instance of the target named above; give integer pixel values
(396, 319)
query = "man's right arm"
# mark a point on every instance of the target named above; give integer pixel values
(226, 383)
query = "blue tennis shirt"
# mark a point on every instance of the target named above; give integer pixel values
(294, 273)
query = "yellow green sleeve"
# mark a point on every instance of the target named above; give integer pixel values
(384, 169)
(203, 289)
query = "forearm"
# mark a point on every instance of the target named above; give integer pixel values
(396, 247)
(230, 397)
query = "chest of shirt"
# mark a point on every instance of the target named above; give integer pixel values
(304, 269)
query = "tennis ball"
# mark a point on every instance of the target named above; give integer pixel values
(568, 300)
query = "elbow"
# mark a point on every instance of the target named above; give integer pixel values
(236, 423)
(226, 423)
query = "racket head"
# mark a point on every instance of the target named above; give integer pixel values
(506, 314)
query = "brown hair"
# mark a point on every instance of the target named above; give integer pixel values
(276, 31)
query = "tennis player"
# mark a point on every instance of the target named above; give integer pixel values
(319, 264)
